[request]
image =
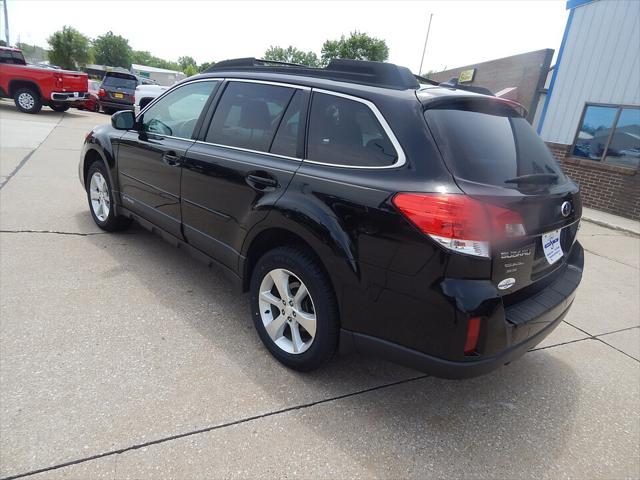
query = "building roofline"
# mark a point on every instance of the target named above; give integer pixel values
(571, 4)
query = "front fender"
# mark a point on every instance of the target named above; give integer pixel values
(98, 142)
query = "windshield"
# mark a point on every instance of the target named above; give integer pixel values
(120, 81)
(485, 141)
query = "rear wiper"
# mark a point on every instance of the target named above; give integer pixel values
(534, 178)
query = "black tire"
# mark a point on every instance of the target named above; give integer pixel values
(27, 100)
(111, 222)
(59, 108)
(303, 265)
(96, 106)
(108, 111)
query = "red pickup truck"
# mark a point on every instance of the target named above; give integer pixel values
(31, 87)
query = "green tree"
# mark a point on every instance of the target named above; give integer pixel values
(184, 62)
(291, 55)
(69, 48)
(32, 53)
(358, 46)
(142, 57)
(190, 70)
(112, 50)
(205, 66)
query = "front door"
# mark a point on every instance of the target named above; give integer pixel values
(244, 163)
(150, 158)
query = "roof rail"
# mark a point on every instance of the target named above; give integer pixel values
(378, 74)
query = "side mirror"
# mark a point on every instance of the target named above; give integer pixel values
(123, 120)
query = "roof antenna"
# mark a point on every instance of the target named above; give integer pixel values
(426, 39)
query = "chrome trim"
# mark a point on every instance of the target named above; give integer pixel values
(241, 149)
(269, 82)
(402, 159)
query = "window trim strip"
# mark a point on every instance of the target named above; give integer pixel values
(400, 161)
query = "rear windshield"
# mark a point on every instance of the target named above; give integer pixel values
(488, 142)
(123, 81)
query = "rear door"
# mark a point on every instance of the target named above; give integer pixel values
(496, 157)
(150, 159)
(243, 163)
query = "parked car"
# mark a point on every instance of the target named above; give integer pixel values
(32, 86)
(362, 210)
(145, 94)
(93, 102)
(117, 91)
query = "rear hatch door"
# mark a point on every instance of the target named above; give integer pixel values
(497, 158)
(119, 87)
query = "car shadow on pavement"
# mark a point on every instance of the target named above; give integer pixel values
(519, 415)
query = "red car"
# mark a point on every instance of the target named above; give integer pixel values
(32, 87)
(93, 102)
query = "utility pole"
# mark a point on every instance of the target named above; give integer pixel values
(426, 39)
(6, 22)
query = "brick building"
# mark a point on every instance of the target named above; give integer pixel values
(590, 117)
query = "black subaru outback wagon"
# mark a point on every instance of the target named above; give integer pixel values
(363, 210)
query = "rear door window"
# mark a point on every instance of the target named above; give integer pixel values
(488, 142)
(248, 115)
(346, 132)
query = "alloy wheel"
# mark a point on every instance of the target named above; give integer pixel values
(26, 100)
(100, 199)
(287, 311)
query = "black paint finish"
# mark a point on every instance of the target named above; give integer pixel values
(394, 284)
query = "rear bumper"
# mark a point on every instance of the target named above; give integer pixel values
(511, 332)
(116, 105)
(67, 97)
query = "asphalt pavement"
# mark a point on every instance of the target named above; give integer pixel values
(122, 357)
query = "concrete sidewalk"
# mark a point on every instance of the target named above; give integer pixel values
(121, 357)
(609, 220)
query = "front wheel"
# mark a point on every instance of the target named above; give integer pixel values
(59, 108)
(27, 100)
(294, 308)
(99, 194)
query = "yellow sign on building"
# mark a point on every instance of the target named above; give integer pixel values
(467, 75)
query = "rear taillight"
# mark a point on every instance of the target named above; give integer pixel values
(473, 333)
(58, 80)
(101, 93)
(458, 222)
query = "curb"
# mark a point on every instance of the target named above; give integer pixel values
(635, 233)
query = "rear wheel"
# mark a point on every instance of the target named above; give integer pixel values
(27, 100)
(100, 198)
(59, 108)
(294, 308)
(108, 111)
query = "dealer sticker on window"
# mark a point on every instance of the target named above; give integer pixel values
(551, 246)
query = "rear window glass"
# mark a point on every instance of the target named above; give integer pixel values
(9, 56)
(488, 142)
(119, 81)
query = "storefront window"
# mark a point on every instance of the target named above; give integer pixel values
(610, 134)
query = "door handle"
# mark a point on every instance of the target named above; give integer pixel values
(259, 182)
(171, 159)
